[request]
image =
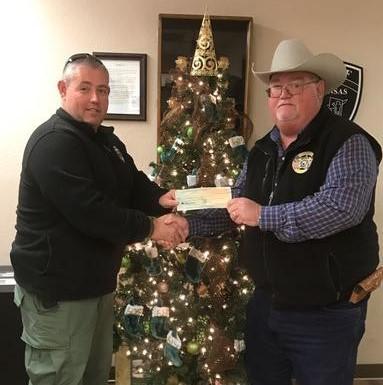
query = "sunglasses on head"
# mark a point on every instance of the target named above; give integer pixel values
(83, 56)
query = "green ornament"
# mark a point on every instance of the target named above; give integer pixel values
(181, 257)
(160, 149)
(146, 325)
(192, 347)
(189, 132)
(126, 262)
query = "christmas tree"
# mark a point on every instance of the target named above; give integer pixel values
(181, 312)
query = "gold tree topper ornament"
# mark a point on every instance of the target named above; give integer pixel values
(204, 61)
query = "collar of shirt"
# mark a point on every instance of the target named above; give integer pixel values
(88, 129)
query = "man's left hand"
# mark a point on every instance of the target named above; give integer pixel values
(168, 200)
(244, 211)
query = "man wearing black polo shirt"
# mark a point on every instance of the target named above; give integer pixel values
(81, 201)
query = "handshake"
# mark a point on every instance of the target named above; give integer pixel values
(170, 230)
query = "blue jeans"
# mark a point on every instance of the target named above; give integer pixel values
(317, 347)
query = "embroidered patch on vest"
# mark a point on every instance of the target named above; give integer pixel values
(302, 162)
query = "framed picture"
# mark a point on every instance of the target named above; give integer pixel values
(127, 71)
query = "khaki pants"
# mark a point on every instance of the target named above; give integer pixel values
(70, 343)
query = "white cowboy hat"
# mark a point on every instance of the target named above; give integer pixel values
(292, 55)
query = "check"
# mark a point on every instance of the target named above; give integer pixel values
(203, 198)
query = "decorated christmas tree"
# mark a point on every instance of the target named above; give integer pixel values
(181, 312)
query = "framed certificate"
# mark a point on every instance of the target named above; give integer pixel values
(127, 80)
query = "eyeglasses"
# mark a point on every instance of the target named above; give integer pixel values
(293, 88)
(83, 56)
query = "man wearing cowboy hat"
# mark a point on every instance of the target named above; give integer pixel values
(307, 205)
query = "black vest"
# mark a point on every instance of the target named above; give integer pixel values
(314, 272)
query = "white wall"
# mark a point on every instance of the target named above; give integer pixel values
(36, 36)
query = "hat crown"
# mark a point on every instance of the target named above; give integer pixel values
(293, 56)
(290, 54)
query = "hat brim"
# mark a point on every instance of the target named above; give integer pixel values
(325, 65)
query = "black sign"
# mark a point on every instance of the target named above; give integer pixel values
(344, 100)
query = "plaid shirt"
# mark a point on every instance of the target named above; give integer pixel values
(342, 201)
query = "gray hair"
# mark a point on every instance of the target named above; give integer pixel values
(81, 59)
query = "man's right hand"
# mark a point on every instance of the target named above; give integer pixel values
(170, 230)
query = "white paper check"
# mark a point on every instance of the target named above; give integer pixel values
(203, 198)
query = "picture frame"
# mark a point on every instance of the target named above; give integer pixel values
(127, 72)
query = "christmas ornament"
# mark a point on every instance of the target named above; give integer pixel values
(181, 257)
(236, 141)
(239, 345)
(191, 180)
(221, 181)
(146, 325)
(213, 98)
(162, 287)
(202, 290)
(160, 149)
(151, 261)
(181, 252)
(172, 102)
(172, 348)
(133, 317)
(194, 264)
(168, 155)
(192, 347)
(223, 63)
(189, 132)
(159, 323)
(204, 61)
(153, 170)
(151, 251)
(181, 63)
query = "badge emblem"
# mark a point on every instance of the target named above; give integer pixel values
(302, 162)
(344, 100)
